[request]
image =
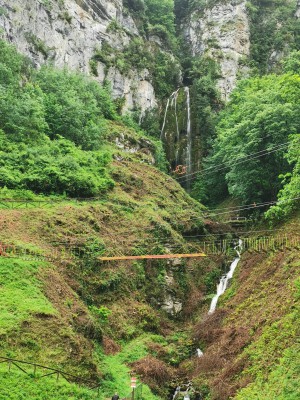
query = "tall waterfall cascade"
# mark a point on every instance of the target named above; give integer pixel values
(173, 100)
(223, 284)
(189, 137)
(177, 132)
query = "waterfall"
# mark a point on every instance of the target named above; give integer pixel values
(174, 104)
(189, 136)
(223, 284)
(178, 115)
(199, 353)
(179, 391)
(173, 100)
(165, 118)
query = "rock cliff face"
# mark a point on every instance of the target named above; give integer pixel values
(298, 9)
(222, 32)
(68, 32)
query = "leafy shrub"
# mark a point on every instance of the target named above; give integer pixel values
(56, 167)
(291, 189)
(247, 156)
(75, 107)
(102, 312)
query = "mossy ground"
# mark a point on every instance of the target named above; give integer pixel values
(54, 315)
(55, 320)
(252, 338)
(16, 385)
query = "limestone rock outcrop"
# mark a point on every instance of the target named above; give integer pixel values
(68, 32)
(221, 31)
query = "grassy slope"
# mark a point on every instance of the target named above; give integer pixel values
(252, 339)
(51, 322)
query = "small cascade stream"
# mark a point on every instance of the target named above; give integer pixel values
(183, 391)
(223, 284)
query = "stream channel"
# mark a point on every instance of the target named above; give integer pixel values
(222, 286)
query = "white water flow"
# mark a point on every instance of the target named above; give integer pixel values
(183, 391)
(165, 119)
(222, 286)
(173, 100)
(199, 353)
(174, 97)
(189, 135)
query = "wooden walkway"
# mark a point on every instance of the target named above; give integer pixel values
(67, 252)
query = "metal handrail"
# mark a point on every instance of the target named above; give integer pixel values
(58, 372)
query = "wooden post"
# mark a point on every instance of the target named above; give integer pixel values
(132, 394)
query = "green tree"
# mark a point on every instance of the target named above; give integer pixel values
(75, 106)
(273, 27)
(161, 13)
(291, 64)
(22, 114)
(247, 157)
(288, 197)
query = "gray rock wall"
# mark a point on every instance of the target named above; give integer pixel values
(67, 32)
(223, 32)
(298, 9)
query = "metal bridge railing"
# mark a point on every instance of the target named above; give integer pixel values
(47, 371)
(218, 247)
(264, 243)
(135, 394)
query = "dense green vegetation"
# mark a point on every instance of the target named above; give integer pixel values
(21, 295)
(16, 385)
(54, 127)
(291, 184)
(275, 379)
(107, 320)
(206, 99)
(116, 368)
(253, 136)
(274, 28)
(51, 120)
(156, 19)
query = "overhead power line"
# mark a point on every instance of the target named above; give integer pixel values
(253, 205)
(230, 232)
(258, 140)
(249, 157)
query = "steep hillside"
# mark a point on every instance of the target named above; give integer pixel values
(83, 180)
(252, 339)
(73, 313)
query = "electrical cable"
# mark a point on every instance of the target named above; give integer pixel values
(228, 233)
(258, 140)
(243, 208)
(257, 206)
(243, 159)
